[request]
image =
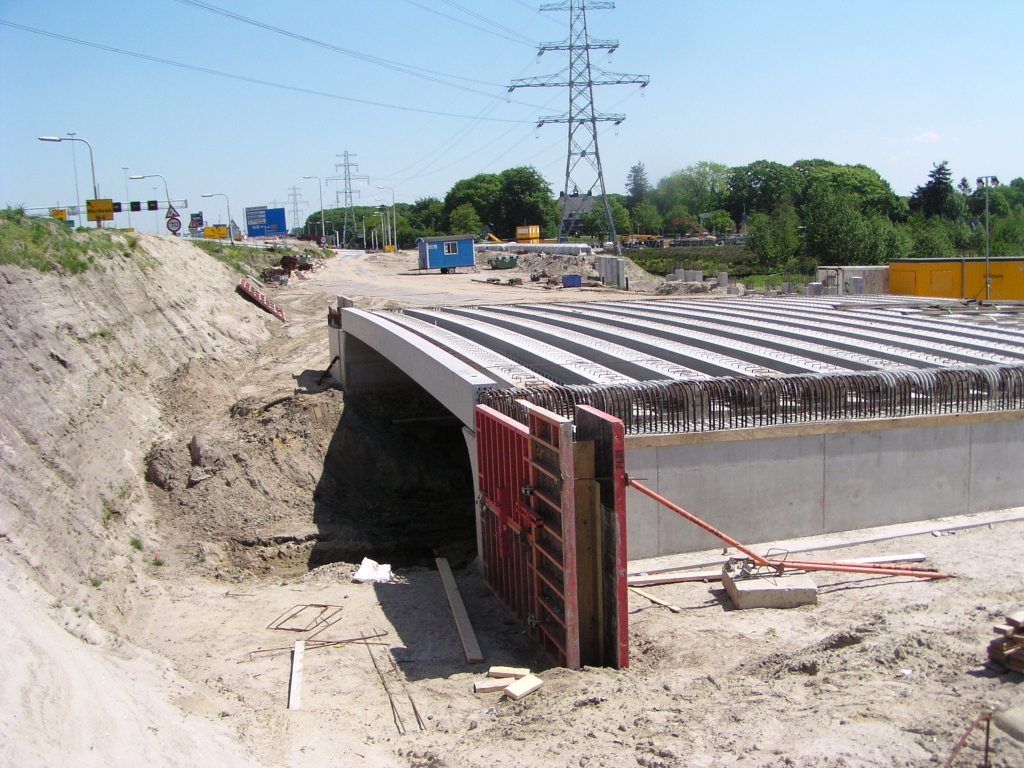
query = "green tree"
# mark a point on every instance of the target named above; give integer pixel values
(620, 216)
(427, 215)
(646, 219)
(868, 191)
(700, 187)
(882, 241)
(832, 225)
(677, 220)
(930, 237)
(761, 187)
(464, 221)
(523, 197)
(931, 199)
(480, 191)
(720, 222)
(637, 185)
(775, 238)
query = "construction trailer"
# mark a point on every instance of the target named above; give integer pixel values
(529, 234)
(770, 418)
(962, 278)
(446, 252)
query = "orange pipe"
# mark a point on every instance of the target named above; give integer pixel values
(795, 565)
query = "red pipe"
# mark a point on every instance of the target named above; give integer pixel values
(698, 522)
(795, 565)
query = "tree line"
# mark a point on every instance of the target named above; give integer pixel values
(795, 216)
(820, 212)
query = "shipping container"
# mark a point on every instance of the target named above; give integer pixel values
(958, 278)
(447, 252)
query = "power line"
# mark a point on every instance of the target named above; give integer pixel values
(581, 118)
(254, 80)
(523, 41)
(484, 19)
(395, 66)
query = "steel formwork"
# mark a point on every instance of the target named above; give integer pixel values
(552, 521)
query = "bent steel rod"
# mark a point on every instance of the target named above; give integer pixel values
(794, 565)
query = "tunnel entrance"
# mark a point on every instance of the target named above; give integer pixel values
(397, 484)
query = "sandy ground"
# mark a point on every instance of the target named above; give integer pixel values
(153, 664)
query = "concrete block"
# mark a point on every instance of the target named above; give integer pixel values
(723, 279)
(813, 289)
(1011, 722)
(789, 591)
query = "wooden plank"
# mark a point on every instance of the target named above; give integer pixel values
(1003, 629)
(588, 553)
(523, 687)
(658, 600)
(295, 683)
(506, 672)
(490, 685)
(1015, 619)
(469, 644)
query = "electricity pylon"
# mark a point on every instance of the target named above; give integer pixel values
(348, 177)
(583, 162)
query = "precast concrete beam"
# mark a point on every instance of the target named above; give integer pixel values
(454, 383)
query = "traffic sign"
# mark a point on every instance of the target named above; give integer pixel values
(197, 220)
(173, 225)
(323, 240)
(216, 232)
(171, 213)
(99, 210)
(59, 213)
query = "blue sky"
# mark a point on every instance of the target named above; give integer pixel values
(895, 85)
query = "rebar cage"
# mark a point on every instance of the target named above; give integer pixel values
(743, 402)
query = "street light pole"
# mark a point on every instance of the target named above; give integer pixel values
(221, 194)
(127, 195)
(166, 194)
(988, 273)
(320, 184)
(394, 219)
(92, 165)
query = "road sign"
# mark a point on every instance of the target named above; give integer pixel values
(117, 207)
(99, 210)
(216, 232)
(265, 222)
(196, 221)
(59, 213)
(173, 225)
(135, 205)
(152, 205)
(323, 240)
(171, 213)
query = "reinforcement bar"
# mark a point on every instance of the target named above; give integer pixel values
(744, 402)
(781, 565)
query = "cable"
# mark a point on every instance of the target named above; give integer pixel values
(484, 19)
(257, 81)
(410, 70)
(473, 26)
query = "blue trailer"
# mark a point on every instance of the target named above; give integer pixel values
(446, 252)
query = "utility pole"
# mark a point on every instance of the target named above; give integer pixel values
(295, 198)
(348, 176)
(583, 161)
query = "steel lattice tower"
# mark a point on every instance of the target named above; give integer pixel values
(348, 165)
(295, 198)
(583, 162)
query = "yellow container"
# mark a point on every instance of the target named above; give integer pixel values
(957, 278)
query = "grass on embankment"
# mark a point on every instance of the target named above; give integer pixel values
(246, 260)
(45, 244)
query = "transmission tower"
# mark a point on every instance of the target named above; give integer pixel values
(348, 176)
(295, 198)
(583, 162)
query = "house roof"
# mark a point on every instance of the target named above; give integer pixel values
(445, 238)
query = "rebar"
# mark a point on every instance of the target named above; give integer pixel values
(744, 402)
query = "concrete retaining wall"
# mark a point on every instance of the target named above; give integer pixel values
(805, 479)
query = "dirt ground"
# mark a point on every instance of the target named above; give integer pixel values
(247, 478)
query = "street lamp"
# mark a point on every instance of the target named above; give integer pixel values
(166, 193)
(323, 229)
(127, 195)
(92, 165)
(986, 180)
(394, 219)
(221, 194)
(385, 217)
(381, 215)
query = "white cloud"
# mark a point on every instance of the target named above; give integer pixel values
(927, 136)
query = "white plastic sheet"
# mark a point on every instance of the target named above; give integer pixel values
(370, 571)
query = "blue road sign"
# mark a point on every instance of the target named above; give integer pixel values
(265, 222)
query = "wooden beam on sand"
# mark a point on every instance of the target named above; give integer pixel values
(295, 683)
(469, 644)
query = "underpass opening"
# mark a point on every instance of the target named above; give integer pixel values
(397, 483)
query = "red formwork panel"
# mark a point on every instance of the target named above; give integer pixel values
(528, 481)
(502, 446)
